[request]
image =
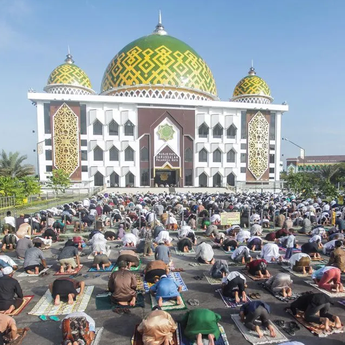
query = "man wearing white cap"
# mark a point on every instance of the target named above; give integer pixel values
(9, 289)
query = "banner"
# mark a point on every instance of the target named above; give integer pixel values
(230, 218)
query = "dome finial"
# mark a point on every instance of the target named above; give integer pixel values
(69, 57)
(252, 69)
(159, 27)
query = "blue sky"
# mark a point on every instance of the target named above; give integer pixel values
(297, 47)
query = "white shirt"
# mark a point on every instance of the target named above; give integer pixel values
(86, 203)
(10, 220)
(8, 260)
(253, 238)
(204, 251)
(129, 238)
(242, 236)
(233, 275)
(290, 241)
(239, 251)
(296, 257)
(270, 251)
(256, 229)
(318, 231)
(163, 236)
(215, 218)
(329, 245)
(315, 238)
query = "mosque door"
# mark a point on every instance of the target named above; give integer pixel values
(166, 177)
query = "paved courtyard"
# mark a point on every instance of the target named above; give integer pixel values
(118, 329)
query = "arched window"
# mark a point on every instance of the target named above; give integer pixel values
(217, 156)
(188, 155)
(129, 128)
(129, 154)
(217, 180)
(129, 179)
(203, 130)
(98, 179)
(113, 128)
(97, 128)
(97, 154)
(144, 154)
(230, 179)
(217, 131)
(203, 180)
(114, 179)
(114, 154)
(231, 156)
(231, 132)
(203, 156)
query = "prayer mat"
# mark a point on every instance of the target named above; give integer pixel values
(196, 264)
(91, 256)
(313, 327)
(191, 252)
(140, 281)
(222, 340)
(98, 336)
(253, 277)
(320, 260)
(328, 293)
(278, 296)
(137, 338)
(26, 301)
(169, 305)
(211, 280)
(295, 250)
(45, 306)
(107, 269)
(24, 274)
(297, 274)
(103, 302)
(74, 272)
(176, 276)
(342, 302)
(132, 269)
(253, 337)
(230, 302)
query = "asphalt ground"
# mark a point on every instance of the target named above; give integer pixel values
(118, 329)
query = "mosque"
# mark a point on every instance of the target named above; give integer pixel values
(157, 121)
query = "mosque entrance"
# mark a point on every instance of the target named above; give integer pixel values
(166, 177)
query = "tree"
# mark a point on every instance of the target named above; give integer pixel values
(11, 165)
(59, 181)
(8, 186)
(30, 185)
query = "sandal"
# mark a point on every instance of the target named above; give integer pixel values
(190, 302)
(257, 295)
(43, 318)
(294, 326)
(196, 302)
(280, 323)
(54, 318)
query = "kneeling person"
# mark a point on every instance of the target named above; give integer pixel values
(34, 261)
(78, 328)
(258, 267)
(101, 260)
(166, 289)
(233, 286)
(65, 289)
(280, 283)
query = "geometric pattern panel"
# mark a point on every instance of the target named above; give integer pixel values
(162, 93)
(252, 85)
(66, 139)
(158, 60)
(67, 90)
(69, 74)
(260, 100)
(258, 145)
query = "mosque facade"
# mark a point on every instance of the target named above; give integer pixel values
(157, 121)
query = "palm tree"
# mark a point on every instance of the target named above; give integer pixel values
(11, 165)
(327, 172)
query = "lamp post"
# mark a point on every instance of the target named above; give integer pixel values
(302, 150)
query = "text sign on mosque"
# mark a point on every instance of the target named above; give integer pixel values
(167, 155)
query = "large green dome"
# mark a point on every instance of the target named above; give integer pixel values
(159, 65)
(68, 78)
